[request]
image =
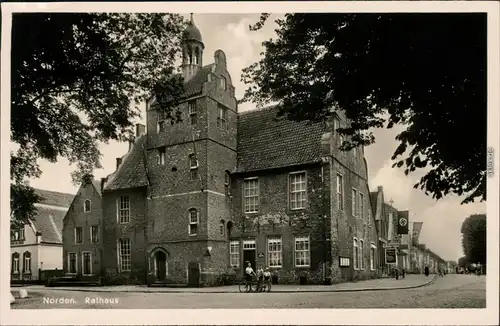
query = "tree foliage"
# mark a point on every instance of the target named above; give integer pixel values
(426, 72)
(77, 80)
(474, 238)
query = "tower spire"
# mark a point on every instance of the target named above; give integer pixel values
(191, 18)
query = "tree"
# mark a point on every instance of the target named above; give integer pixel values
(77, 80)
(426, 72)
(474, 238)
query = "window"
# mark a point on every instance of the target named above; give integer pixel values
(87, 206)
(361, 206)
(15, 263)
(234, 253)
(162, 155)
(274, 251)
(223, 83)
(72, 268)
(193, 222)
(27, 262)
(336, 124)
(361, 254)
(372, 256)
(86, 263)
(355, 257)
(227, 182)
(354, 203)
(18, 235)
(124, 255)
(251, 195)
(124, 209)
(222, 228)
(249, 245)
(302, 252)
(298, 190)
(94, 234)
(193, 112)
(193, 165)
(222, 117)
(340, 192)
(78, 234)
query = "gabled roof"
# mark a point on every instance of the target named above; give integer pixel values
(97, 186)
(132, 171)
(49, 221)
(54, 198)
(194, 86)
(267, 142)
(373, 200)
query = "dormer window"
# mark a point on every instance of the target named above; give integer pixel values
(87, 205)
(193, 112)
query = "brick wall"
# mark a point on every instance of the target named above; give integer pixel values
(76, 216)
(113, 231)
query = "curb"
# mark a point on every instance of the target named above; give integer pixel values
(92, 289)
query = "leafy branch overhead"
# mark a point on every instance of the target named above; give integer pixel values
(83, 84)
(406, 69)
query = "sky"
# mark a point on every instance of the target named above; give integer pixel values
(229, 32)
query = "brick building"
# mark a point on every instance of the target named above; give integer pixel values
(199, 198)
(82, 225)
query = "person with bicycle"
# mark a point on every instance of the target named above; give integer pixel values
(267, 275)
(260, 278)
(249, 273)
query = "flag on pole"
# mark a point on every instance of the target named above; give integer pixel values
(417, 228)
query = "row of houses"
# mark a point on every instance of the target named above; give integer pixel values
(223, 189)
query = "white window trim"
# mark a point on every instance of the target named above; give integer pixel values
(83, 263)
(69, 263)
(192, 167)
(258, 195)
(274, 239)
(252, 244)
(98, 238)
(342, 192)
(25, 257)
(361, 205)
(295, 251)
(118, 209)
(355, 244)
(81, 228)
(162, 156)
(16, 258)
(84, 206)
(231, 254)
(290, 192)
(354, 202)
(361, 253)
(191, 223)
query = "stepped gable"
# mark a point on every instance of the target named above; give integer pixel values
(267, 142)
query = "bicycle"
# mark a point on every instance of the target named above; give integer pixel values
(254, 286)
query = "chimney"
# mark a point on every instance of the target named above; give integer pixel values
(27, 183)
(118, 162)
(103, 181)
(140, 130)
(380, 189)
(38, 237)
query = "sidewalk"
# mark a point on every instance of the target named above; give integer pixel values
(411, 281)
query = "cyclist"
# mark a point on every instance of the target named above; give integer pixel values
(267, 275)
(260, 278)
(249, 273)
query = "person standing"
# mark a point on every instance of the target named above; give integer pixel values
(403, 273)
(426, 271)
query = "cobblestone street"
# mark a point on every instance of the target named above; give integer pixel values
(451, 291)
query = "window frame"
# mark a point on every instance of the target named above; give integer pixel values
(193, 169)
(354, 202)
(308, 251)
(361, 205)
(161, 125)
(272, 240)
(373, 248)
(341, 194)
(222, 118)
(191, 223)
(162, 155)
(83, 262)
(223, 83)
(222, 228)
(16, 258)
(355, 253)
(193, 112)
(76, 234)
(234, 255)
(85, 206)
(69, 263)
(26, 256)
(256, 205)
(304, 191)
(96, 240)
(120, 256)
(119, 210)
(361, 264)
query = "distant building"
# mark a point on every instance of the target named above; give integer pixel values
(196, 199)
(82, 253)
(38, 245)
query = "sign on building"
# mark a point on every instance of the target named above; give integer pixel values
(390, 255)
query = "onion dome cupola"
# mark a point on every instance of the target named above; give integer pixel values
(192, 50)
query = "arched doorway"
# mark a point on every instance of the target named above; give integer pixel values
(160, 264)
